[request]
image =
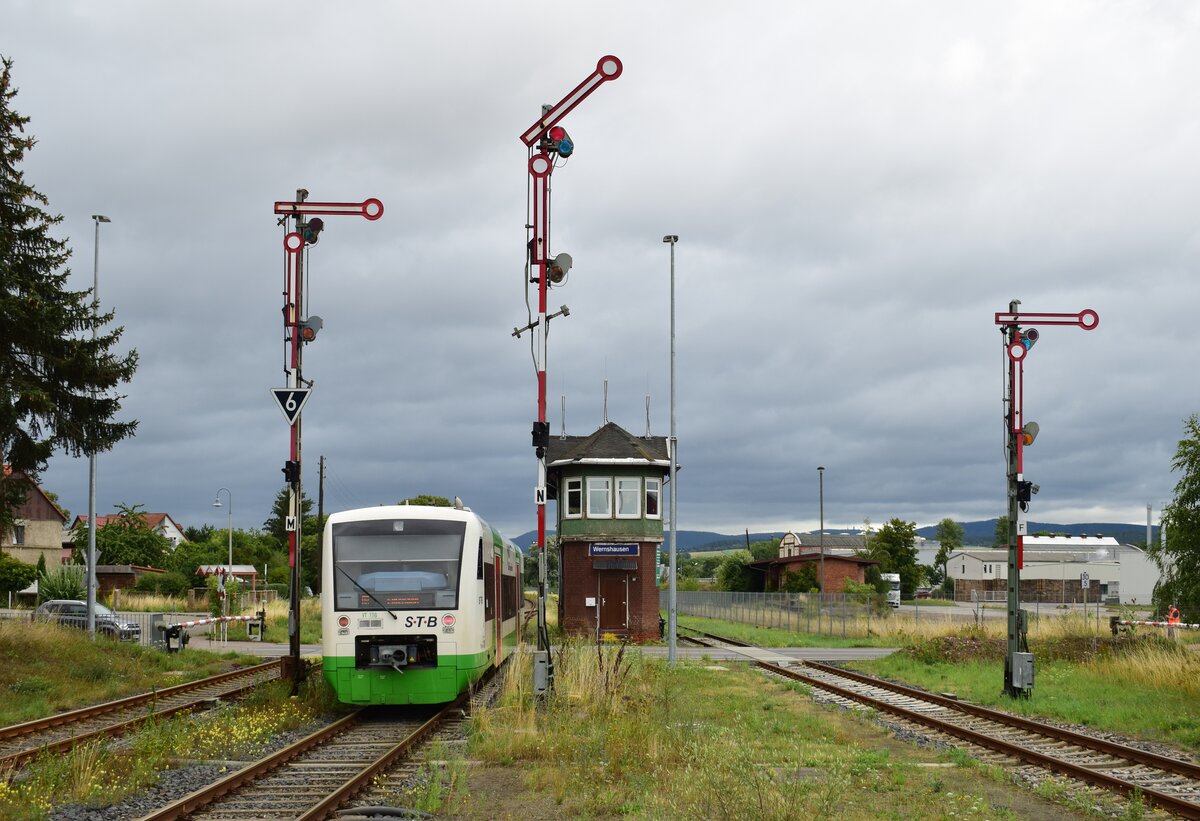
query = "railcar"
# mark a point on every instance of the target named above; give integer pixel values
(417, 603)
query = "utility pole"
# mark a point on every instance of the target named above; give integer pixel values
(1018, 661)
(299, 328)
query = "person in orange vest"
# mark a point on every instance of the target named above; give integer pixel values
(1172, 620)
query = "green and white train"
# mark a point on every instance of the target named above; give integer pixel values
(418, 602)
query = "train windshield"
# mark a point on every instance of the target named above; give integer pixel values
(398, 564)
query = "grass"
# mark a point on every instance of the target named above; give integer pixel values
(310, 620)
(624, 735)
(96, 775)
(1144, 687)
(47, 668)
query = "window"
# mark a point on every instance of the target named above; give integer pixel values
(397, 564)
(599, 497)
(574, 499)
(653, 494)
(628, 491)
(18, 534)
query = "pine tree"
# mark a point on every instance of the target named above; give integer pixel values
(1179, 559)
(56, 381)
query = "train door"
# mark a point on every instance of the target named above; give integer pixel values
(613, 592)
(498, 622)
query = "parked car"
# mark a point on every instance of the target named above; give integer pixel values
(923, 592)
(73, 613)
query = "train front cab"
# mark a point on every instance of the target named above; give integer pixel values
(424, 653)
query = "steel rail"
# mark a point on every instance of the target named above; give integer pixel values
(1185, 809)
(38, 724)
(1162, 762)
(206, 795)
(29, 729)
(327, 806)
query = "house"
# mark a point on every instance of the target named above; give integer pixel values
(1054, 571)
(609, 489)
(160, 523)
(38, 527)
(837, 552)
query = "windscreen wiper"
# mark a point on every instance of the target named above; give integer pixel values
(354, 582)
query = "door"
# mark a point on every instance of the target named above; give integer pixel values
(614, 601)
(498, 622)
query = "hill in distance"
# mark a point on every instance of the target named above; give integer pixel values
(975, 534)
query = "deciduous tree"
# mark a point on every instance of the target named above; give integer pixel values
(58, 382)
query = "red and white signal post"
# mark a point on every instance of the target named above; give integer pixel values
(1018, 662)
(547, 140)
(299, 327)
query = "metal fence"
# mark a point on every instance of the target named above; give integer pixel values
(819, 613)
(146, 621)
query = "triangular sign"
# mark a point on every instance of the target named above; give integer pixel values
(291, 401)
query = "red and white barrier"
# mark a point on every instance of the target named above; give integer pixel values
(213, 620)
(1179, 624)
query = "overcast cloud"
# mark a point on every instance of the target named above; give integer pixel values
(857, 187)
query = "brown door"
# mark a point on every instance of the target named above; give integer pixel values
(614, 600)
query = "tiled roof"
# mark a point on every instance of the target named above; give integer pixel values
(610, 443)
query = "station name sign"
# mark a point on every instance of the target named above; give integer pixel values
(605, 549)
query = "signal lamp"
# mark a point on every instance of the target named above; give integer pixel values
(557, 139)
(309, 328)
(312, 230)
(291, 472)
(557, 268)
(1029, 433)
(1030, 337)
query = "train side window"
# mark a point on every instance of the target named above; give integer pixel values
(479, 567)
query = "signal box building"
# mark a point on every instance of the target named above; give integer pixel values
(609, 489)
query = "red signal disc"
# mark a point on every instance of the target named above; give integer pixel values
(343, 622)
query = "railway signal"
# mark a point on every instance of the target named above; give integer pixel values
(307, 231)
(1018, 342)
(546, 137)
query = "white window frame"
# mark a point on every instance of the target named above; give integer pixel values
(623, 490)
(658, 495)
(576, 484)
(605, 483)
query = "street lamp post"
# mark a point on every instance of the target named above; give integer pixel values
(91, 548)
(821, 540)
(229, 568)
(672, 616)
(217, 503)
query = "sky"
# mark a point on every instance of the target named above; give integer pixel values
(857, 189)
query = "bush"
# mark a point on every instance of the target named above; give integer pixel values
(67, 581)
(164, 584)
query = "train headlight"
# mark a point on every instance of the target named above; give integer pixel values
(448, 619)
(343, 622)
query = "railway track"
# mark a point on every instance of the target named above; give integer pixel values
(1171, 784)
(20, 743)
(360, 757)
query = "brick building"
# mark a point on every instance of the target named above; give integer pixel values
(799, 549)
(609, 489)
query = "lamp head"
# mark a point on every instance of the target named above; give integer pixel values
(100, 218)
(671, 238)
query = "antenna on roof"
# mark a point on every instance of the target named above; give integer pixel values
(647, 416)
(605, 401)
(563, 435)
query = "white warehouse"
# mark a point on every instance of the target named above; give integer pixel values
(1054, 569)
